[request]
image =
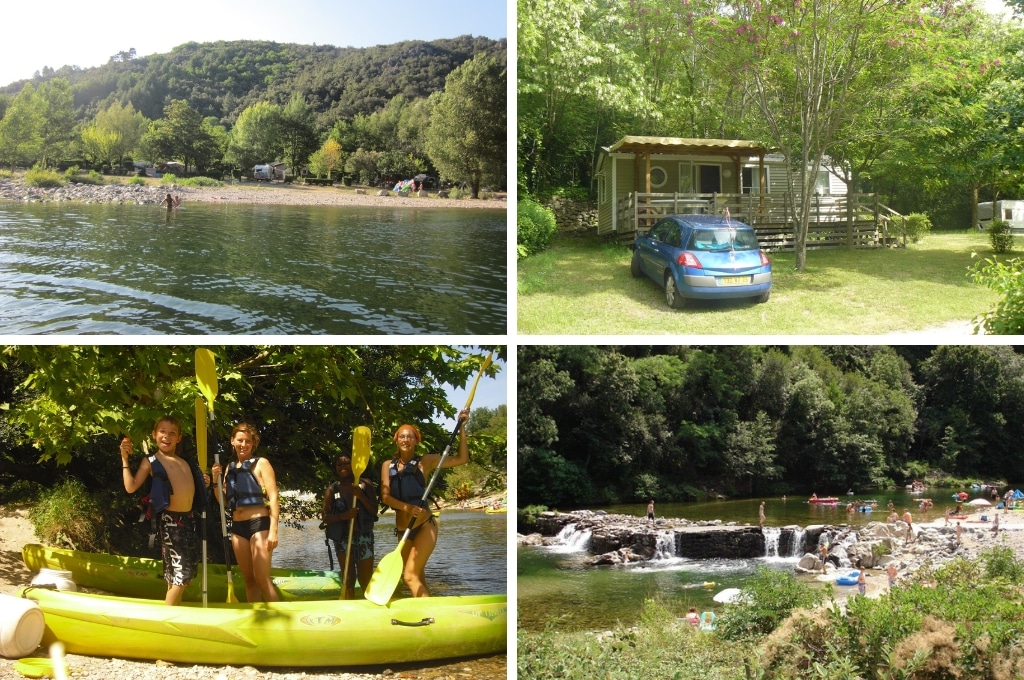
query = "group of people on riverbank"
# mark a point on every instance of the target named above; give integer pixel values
(247, 487)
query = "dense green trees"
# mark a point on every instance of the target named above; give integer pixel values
(606, 424)
(70, 403)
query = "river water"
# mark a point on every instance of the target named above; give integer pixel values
(471, 556)
(554, 587)
(234, 269)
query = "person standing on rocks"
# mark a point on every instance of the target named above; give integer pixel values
(908, 518)
(862, 581)
(650, 510)
(995, 525)
(890, 571)
(959, 534)
(760, 514)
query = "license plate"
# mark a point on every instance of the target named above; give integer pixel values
(734, 281)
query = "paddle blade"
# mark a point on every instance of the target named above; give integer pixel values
(386, 576)
(360, 450)
(206, 375)
(231, 588)
(483, 367)
(201, 433)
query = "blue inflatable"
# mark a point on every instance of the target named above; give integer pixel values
(849, 579)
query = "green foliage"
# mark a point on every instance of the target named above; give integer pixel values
(92, 177)
(1000, 235)
(769, 598)
(659, 647)
(466, 138)
(526, 518)
(618, 422)
(199, 182)
(74, 402)
(960, 620)
(6, 174)
(43, 178)
(535, 226)
(1007, 279)
(917, 226)
(168, 179)
(138, 181)
(67, 515)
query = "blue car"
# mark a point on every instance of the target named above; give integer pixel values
(703, 257)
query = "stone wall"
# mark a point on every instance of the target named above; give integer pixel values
(572, 214)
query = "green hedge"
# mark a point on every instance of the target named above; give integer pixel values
(535, 227)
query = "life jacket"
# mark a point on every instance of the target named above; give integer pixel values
(408, 484)
(159, 498)
(338, 531)
(243, 489)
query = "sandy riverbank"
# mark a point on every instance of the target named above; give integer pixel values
(16, 530)
(257, 193)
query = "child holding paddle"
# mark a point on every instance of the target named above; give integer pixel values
(250, 487)
(343, 502)
(178, 487)
(403, 483)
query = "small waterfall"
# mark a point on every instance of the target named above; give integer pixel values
(569, 540)
(771, 541)
(665, 545)
(796, 542)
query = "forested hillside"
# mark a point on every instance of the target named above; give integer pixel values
(221, 79)
(624, 424)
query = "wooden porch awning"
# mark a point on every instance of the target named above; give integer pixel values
(683, 145)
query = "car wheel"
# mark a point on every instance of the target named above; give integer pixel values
(763, 297)
(672, 297)
(634, 265)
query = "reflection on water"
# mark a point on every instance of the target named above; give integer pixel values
(241, 269)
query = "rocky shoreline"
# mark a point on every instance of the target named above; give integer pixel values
(13, 189)
(618, 539)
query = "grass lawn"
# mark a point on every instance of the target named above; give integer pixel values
(583, 286)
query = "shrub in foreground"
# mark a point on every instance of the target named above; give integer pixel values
(44, 179)
(535, 225)
(1007, 279)
(68, 515)
(1000, 235)
(200, 182)
(658, 647)
(917, 226)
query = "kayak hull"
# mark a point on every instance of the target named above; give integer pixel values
(144, 577)
(307, 634)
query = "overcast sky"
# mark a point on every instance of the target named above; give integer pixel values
(60, 32)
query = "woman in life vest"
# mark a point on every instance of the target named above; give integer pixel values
(250, 491)
(344, 502)
(403, 480)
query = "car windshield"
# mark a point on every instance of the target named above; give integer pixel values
(722, 238)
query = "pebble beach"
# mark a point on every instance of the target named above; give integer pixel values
(13, 189)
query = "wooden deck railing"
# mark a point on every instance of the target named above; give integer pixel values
(857, 221)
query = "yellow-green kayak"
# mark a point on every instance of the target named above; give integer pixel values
(143, 577)
(314, 633)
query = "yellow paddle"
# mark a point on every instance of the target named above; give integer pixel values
(388, 573)
(201, 455)
(360, 458)
(206, 377)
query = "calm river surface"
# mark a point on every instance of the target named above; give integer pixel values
(471, 556)
(251, 269)
(554, 586)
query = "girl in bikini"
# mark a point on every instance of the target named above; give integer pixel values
(250, 490)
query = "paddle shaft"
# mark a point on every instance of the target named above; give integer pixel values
(224, 532)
